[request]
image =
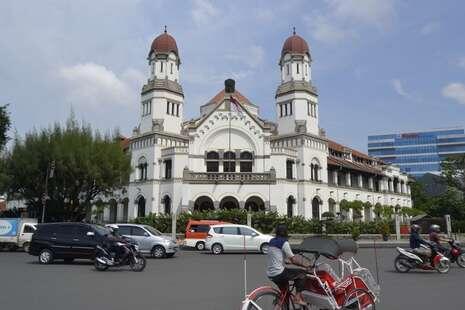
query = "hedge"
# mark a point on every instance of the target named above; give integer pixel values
(264, 222)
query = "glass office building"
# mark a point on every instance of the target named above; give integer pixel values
(417, 153)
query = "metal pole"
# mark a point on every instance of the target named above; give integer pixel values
(173, 226)
(245, 269)
(44, 199)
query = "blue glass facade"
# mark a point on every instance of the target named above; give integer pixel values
(417, 153)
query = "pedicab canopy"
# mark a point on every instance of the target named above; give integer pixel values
(329, 248)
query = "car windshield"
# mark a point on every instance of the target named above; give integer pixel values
(153, 231)
(102, 231)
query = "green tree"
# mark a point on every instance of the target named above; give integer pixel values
(87, 166)
(451, 202)
(420, 200)
(453, 169)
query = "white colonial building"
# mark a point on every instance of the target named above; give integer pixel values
(229, 157)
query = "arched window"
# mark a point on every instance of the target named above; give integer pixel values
(246, 161)
(290, 206)
(212, 161)
(229, 162)
(315, 168)
(167, 204)
(142, 168)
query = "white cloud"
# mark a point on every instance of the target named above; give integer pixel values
(343, 19)
(326, 31)
(94, 85)
(455, 91)
(399, 88)
(461, 62)
(252, 56)
(372, 12)
(203, 11)
(429, 28)
(265, 15)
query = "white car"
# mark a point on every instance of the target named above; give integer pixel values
(236, 238)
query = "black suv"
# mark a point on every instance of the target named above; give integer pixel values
(66, 241)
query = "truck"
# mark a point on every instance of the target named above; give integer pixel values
(16, 233)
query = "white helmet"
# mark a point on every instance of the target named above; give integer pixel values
(113, 228)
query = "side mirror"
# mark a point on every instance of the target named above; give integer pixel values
(90, 233)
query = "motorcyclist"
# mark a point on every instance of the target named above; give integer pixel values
(115, 243)
(416, 241)
(279, 252)
(436, 239)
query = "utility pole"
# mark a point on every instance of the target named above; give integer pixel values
(48, 174)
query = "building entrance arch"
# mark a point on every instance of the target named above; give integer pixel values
(203, 203)
(229, 203)
(254, 204)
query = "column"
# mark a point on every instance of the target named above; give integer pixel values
(335, 177)
(348, 181)
(370, 183)
(360, 181)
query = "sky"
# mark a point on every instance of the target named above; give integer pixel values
(379, 66)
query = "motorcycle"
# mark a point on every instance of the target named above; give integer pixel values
(410, 259)
(104, 259)
(456, 254)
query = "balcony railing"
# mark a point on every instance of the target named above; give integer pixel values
(229, 177)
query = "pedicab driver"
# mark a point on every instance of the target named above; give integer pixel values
(278, 253)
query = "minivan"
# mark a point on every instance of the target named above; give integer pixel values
(66, 241)
(196, 232)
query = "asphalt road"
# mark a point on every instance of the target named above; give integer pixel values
(193, 280)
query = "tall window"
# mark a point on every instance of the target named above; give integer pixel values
(290, 108)
(161, 66)
(285, 109)
(172, 108)
(246, 161)
(289, 168)
(142, 168)
(152, 67)
(171, 69)
(167, 107)
(281, 110)
(298, 69)
(168, 169)
(287, 69)
(177, 109)
(213, 162)
(229, 162)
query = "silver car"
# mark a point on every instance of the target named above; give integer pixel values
(150, 240)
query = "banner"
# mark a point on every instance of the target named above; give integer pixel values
(8, 227)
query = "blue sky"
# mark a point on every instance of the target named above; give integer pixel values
(379, 65)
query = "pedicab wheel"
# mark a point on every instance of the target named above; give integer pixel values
(139, 263)
(264, 248)
(443, 267)
(359, 299)
(266, 298)
(99, 266)
(461, 260)
(401, 264)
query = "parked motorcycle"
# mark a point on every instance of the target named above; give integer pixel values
(104, 259)
(410, 259)
(455, 254)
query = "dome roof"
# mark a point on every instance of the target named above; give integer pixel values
(164, 43)
(295, 45)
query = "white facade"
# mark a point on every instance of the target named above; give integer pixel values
(230, 157)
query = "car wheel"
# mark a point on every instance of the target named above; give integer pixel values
(26, 247)
(158, 251)
(217, 249)
(200, 246)
(45, 256)
(264, 248)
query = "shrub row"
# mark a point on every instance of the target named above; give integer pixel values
(266, 222)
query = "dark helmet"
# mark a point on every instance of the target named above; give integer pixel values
(281, 230)
(415, 228)
(435, 228)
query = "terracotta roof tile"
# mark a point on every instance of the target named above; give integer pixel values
(218, 98)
